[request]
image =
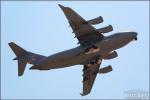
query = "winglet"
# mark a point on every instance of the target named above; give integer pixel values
(62, 7)
(82, 94)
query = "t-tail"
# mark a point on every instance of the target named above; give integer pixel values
(24, 57)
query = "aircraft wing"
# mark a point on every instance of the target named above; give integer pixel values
(89, 75)
(83, 30)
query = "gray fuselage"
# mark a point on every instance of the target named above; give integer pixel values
(77, 55)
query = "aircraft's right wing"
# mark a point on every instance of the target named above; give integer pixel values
(84, 31)
(89, 76)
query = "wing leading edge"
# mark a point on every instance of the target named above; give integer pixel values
(84, 31)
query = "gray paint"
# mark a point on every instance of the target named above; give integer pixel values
(77, 55)
(94, 47)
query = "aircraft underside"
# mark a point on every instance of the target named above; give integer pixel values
(94, 47)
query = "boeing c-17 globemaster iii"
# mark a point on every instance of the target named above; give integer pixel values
(94, 47)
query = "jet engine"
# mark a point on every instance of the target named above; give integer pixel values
(106, 29)
(111, 55)
(105, 69)
(95, 20)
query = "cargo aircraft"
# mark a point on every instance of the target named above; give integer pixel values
(92, 49)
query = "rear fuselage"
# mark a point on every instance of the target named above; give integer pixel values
(77, 55)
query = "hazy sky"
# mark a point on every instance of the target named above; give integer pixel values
(41, 27)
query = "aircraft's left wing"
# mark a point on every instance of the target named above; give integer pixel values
(89, 75)
(84, 31)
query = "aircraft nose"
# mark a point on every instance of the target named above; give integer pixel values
(134, 34)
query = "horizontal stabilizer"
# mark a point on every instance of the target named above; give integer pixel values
(24, 57)
(17, 50)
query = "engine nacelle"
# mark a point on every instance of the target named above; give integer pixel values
(105, 70)
(105, 29)
(95, 20)
(111, 55)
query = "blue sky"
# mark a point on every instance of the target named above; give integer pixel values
(41, 27)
